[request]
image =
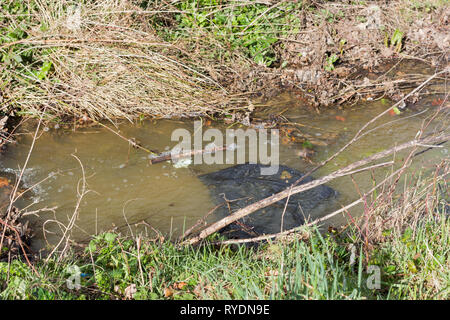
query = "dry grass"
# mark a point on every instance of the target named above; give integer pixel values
(107, 63)
(409, 237)
(422, 199)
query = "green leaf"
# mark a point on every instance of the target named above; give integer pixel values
(92, 246)
(46, 66)
(396, 110)
(110, 237)
(396, 40)
(412, 266)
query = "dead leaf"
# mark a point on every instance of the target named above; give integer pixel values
(168, 292)
(180, 285)
(285, 175)
(289, 130)
(4, 182)
(437, 102)
(130, 291)
(285, 140)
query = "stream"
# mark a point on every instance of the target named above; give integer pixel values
(126, 192)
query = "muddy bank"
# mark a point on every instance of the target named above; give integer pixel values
(353, 52)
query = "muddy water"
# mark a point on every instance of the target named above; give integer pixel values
(124, 189)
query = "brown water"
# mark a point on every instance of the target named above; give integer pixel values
(125, 189)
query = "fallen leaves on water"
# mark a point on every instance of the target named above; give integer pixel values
(394, 111)
(285, 175)
(4, 182)
(437, 102)
(289, 131)
(339, 118)
(285, 140)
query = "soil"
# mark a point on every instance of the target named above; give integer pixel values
(360, 40)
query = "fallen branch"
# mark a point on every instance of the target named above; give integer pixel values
(166, 156)
(189, 231)
(316, 221)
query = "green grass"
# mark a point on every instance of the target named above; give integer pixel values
(413, 265)
(298, 270)
(252, 28)
(417, 264)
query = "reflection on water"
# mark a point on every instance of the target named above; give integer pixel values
(123, 188)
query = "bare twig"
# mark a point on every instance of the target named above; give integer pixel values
(199, 222)
(70, 225)
(165, 156)
(16, 186)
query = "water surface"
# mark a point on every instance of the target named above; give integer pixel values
(125, 190)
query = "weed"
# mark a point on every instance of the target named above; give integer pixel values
(253, 28)
(330, 61)
(395, 42)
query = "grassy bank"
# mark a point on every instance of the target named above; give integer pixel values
(132, 59)
(405, 241)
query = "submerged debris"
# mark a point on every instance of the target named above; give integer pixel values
(15, 235)
(240, 185)
(3, 132)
